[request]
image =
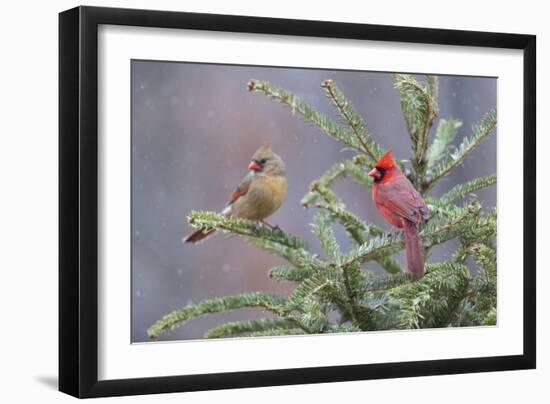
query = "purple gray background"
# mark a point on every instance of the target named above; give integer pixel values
(194, 129)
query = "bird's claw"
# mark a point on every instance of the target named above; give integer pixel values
(395, 234)
(274, 228)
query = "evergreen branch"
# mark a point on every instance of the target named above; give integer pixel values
(363, 161)
(482, 230)
(389, 282)
(353, 225)
(380, 312)
(356, 171)
(309, 288)
(433, 300)
(308, 112)
(444, 136)
(356, 229)
(313, 317)
(321, 186)
(247, 327)
(433, 89)
(324, 182)
(490, 318)
(176, 318)
(419, 107)
(296, 256)
(353, 119)
(319, 190)
(390, 265)
(273, 240)
(323, 230)
(450, 223)
(485, 256)
(285, 273)
(461, 190)
(276, 332)
(376, 247)
(439, 275)
(341, 328)
(435, 232)
(211, 220)
(484, 284)
(350, 291)
(480, 132)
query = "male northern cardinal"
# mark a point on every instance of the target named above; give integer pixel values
(260, 193)
(401, 205)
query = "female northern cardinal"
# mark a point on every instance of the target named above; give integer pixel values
(260, 193)
(401, 205)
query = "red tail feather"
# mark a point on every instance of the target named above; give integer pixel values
(415, 260)
(197, 236)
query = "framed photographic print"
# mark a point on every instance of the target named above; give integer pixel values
(251, 201)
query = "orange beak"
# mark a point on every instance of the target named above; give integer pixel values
(254, 166)
(374, 173)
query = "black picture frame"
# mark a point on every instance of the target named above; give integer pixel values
(78, 201)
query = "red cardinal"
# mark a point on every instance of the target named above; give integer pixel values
(401, 205)
(260, 193)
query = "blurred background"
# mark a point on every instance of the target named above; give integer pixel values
(194, 129)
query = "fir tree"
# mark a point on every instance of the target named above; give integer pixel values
(449, 294)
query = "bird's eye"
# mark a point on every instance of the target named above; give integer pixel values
(262, 161)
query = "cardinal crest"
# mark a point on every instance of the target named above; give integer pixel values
(386, 161)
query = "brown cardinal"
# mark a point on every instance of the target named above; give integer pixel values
(260, 193)
(401, 205)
